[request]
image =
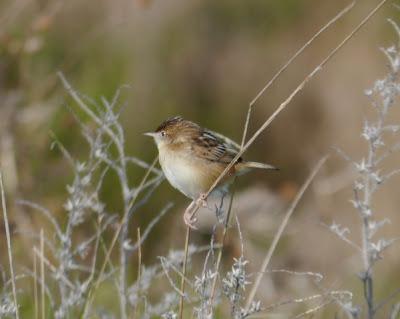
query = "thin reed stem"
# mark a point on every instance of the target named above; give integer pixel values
(42, 275)
(219, 257)
(46, 262)
(287, 64)
(35, 287)
(9, 250)
(183, 279)
(139, 274)
(286, 102)
(281, 228)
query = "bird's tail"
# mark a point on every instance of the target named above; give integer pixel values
(259, 165)
(244, 167)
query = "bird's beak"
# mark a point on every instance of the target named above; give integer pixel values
(152, 134)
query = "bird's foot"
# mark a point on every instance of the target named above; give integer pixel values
(201, 201)
(189, 216)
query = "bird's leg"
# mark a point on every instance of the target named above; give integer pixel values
(189, 216)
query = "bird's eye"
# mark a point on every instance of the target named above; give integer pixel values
(162, 133)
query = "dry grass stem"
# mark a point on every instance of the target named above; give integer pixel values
(278, 234)
(139, 254)
(42, 275)
(45, 261)
(184, 265)
(139, 242)
(35, 287)
(309, 312)
(281, 107)
(9, 248)
(286, 102)
(287, 64)
(219, 257)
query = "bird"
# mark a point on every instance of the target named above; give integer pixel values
(193, 157)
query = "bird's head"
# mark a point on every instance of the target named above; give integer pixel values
(171, 131)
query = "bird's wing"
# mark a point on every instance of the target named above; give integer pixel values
(215, 147)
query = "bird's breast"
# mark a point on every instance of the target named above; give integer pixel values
(187, 174)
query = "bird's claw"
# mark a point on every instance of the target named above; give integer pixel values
(190, 219)
(201, 201)
(189, 216)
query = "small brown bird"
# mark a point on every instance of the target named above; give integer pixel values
(192, 158)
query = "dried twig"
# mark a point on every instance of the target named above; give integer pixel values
(281, 107)
(139, 274)
(35, 287)
(280, 231)
(312, 310)
(286, 65)
(219, 257)
(286, 102)
(42, 279)
(9, 250)
(45, 261)
(185, 258)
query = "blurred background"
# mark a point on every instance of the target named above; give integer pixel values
(204, 60)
